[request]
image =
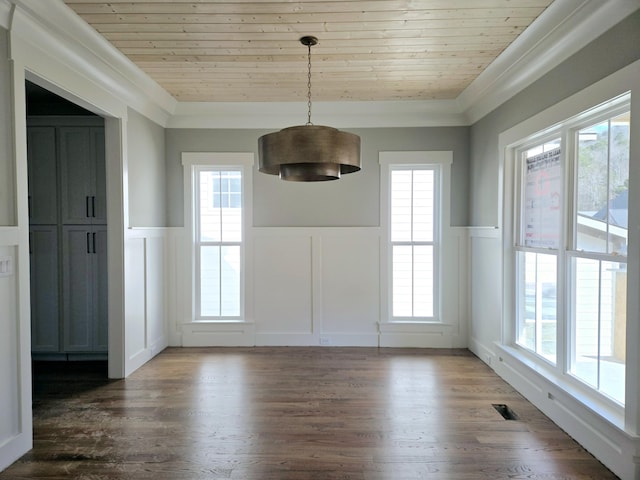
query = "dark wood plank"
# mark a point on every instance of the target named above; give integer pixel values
(293, 413)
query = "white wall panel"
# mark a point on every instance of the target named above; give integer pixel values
(135, 297)
(155, 293)
(282, 285)
(10, 411)
(15, 367)
(146, 295)
(350, 286)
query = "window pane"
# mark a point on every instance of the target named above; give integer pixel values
(402, 281)
(537, 300)
(220, 206)
(412, 205)
(599, 325)
(542, 200)
(602, 186)
(423, 281)
(401, 196)
(230, 274)
(413, 292)
(423, 204)
(220, 281)
(210, 281)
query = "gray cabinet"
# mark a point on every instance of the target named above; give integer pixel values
(45, 305)
(84, 288)
(68, 235)
(82, 185)
(42, 172)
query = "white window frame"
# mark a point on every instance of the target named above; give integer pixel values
(601, 95)
(440, 162)
(194, 163)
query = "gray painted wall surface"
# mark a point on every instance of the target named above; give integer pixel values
(354, 200)
(612, 51)
(147, 175)
(7, 175)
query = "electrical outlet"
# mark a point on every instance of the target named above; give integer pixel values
(6, 266)
(325, 341)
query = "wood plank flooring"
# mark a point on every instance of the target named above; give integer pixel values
(294, 413)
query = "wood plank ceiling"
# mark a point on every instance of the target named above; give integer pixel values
(243, 50)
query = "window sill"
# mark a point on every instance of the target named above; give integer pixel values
(558, 386)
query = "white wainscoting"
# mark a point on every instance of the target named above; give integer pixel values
(146, 295)
(15, 346)
(577, 415)
(318, 286)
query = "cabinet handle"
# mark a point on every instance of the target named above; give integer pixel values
(87, 206)
(88, 242)
(30, 242)
(29, 205)
(93, 206)
(94, 242)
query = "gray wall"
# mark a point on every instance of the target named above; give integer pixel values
(7, 176)
(617, 48)
(351, 201)
(147, 174)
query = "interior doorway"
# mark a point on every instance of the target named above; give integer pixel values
(67, 231)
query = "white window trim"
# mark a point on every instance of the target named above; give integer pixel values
(192, 162)
(601, 94)
(387, 160)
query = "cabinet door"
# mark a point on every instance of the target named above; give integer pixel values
(99, 199)
(77, 277)
(76, 166)
(43, 187)
(43, 247)
(101, 321)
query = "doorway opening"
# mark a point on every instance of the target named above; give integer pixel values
(67, 234)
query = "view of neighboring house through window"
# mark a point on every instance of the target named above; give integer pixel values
(598, 255)
(537, 247)
(571, 248)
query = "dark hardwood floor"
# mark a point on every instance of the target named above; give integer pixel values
(293, 413)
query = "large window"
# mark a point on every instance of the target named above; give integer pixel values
(218, 215)
(571, 247)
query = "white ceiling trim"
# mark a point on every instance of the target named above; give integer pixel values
(540, 48)
(337, 114)
(55, 29)
(561, 30)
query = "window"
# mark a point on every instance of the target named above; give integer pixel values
(571, 246)
(597, 254)
(218, 242)
(537, 247)
(414, 217)
(218, 215)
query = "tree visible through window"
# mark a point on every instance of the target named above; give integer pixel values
(576, 242)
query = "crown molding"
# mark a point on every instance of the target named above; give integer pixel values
(52, 28)
(564, 28)
(337, 114)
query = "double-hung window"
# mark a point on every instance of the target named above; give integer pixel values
(414, 183)
(572, 190)
(219, 218)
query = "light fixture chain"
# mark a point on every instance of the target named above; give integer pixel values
(309, 86)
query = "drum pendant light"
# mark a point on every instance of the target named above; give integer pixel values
(309, 153)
